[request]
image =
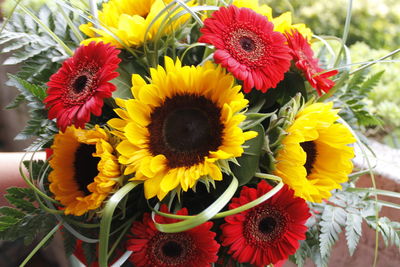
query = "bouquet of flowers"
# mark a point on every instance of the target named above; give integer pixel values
(187, 133)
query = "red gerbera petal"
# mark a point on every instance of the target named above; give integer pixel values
(192, 248)
(303, 57)
(271, 231)
(247, 46)
(80, 85)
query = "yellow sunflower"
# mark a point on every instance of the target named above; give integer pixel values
(85, 170)
(282, 24)
(128, 20)
(179, 126)
(316, 156)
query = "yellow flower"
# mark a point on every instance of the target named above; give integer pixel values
(85, 170)
(282, 24)
(127, 21)
(179, 126)
(316, 156)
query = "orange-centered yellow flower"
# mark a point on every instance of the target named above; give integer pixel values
(316, 156)
(85, 170)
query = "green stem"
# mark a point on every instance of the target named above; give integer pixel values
(73, 27)
(375, 61)
(345, 31)
(105, 223)
(41, 244)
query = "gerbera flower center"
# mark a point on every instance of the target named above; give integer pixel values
(311, 151)
(246, 46)
(85, 166)
(79, 84)
(185, 128)
(171, 249)
(265, 225)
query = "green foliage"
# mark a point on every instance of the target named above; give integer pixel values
(250, 157)
(345, 210)
(25, 220)
(69, 241)
(352, 97)
(30, 45)
(38, 124)
(389, 230)
(36, 168)
(332, 220)
(353, 231)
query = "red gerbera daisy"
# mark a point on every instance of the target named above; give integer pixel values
(269, 232)
(247, 46)
(193, 248)
(80, 85)
(303, 57)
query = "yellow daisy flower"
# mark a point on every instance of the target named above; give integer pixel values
(85, 170)
(316, 156)
(179, 126)
(282, 24)
(128, 20)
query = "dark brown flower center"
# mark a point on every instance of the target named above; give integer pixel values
(311, 151)
(265, 225)
(85, 166)
(185, 128)
(171, 249)
(247, 45)
(79, 84)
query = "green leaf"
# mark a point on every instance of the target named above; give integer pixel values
(7, 221)
(249, 160)
(371, 82)
(18, 100)
(353, 231)
(302, 253)
(253, 119)
(8, 211)
(32, 92)
(332, 220)
(353, 97)
(20, 203)
(37, 168)
(389, 230)
(69, 241)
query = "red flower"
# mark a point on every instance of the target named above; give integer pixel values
(80, 85)
(303, 57)
(247, 46)
(193, 248)
(269, 232)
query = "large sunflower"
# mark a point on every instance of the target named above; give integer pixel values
(179, 126)
(316, 156)
(85, 170)
(128, 20)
